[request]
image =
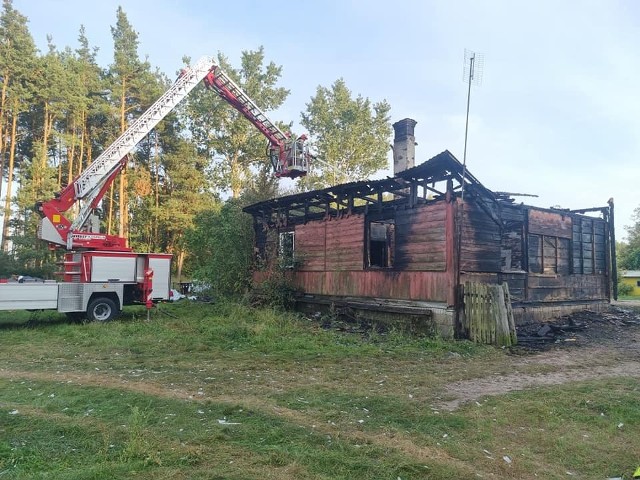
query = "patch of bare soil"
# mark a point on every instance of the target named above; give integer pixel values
(583, 346)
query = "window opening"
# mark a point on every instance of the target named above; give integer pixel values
(381, 244)
(286, 248)
(548, 254)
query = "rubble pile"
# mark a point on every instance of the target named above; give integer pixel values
(580, 328)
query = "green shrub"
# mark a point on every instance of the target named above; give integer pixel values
(625, 289)
(222, 244)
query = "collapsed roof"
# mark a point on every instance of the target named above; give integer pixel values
(420, 184)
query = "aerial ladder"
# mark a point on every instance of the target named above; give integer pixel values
(288, 155)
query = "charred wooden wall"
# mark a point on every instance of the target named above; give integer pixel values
(511, 243)
(421, 236)
(331, 255)
(545, 256)
(333, 245)
(549, 258)
(480, 240)
(424, 286)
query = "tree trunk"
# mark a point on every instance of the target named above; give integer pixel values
(122, 223)
(3, 146)
(71, 154)
(83, 139)
(7, 202)
(3, 121)
(46, 128)
(180, 263)
(236, 181)
(59, 183)
(46, 133)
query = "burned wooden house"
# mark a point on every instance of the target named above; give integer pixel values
(406, 244)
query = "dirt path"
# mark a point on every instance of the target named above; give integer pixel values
(473, 390)
(597, 345)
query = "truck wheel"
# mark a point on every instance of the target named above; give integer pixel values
(102, 310)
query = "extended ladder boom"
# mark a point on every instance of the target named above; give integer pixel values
(230, 91)
(288, 156)
(90, 181)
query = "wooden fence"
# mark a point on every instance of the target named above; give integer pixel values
(488, 317)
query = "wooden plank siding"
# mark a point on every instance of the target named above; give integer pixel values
(345, 244)
(571, 251)
(426, 286)
(517, 285)
(480, 249)
(564, 258)
(550, 223)
(512, 255)
(589, 246)
(553, 288)
(331, 255)
(311, 246)
(544, 256)
(421, 238)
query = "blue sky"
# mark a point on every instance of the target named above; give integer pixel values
(557, 113)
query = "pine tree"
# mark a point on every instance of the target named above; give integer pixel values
(184, 194)
(17, 69)
(130, 77)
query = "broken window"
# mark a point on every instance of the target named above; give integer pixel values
(535, 254)
(381, 244)
(548, 254)
(511, 246)
(286, 247)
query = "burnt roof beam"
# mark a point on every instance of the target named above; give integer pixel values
(593, 209)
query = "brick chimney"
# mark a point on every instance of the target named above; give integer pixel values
(404, 145)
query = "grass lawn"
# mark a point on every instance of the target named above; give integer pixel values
(629, 297)
(228, 392)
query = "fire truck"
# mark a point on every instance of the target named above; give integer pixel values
(100, 272)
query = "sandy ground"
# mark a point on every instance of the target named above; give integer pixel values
(583, 346)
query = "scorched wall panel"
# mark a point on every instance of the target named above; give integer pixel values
(310, 246)
(549, 223)
(426, 286)
(345, 244)
(421, 238)
(549, 288)
(480, 241)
